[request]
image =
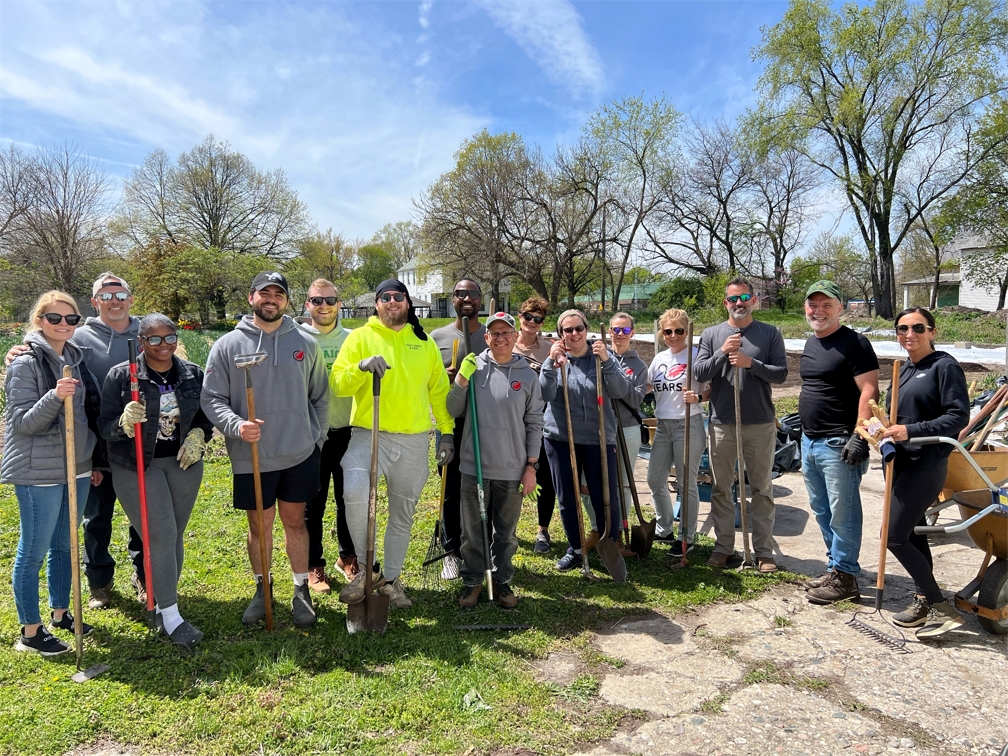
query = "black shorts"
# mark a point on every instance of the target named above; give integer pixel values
(296, 484)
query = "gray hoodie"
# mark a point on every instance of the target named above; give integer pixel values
(509, 409)
(583, 398)
(104, 347)
(35, 442)
(291, 394)
(636, 370)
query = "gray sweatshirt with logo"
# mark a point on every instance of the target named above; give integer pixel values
(103, 347)
(291, 394)
(636, 370)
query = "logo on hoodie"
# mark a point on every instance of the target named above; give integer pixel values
(675, 371)
(628, 372)
(299, 355)
(516, 385)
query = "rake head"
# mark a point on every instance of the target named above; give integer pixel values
(877, 635)
(430, 571)
(250, 360)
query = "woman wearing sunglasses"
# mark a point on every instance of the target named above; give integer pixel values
(667, 379)
(933, 401)
(175, 432)
(574, 350)
(34, 461)
(535, 348)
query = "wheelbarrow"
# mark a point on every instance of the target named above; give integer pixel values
(984, 513)
(962, 477)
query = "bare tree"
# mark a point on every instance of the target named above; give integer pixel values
(16, 178)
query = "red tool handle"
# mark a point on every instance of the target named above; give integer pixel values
(141, 479)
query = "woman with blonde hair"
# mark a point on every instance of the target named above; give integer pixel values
(667, 379)
(34, 462)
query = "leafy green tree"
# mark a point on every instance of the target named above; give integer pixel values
(376, 264)
(888, 96)
(685, 292)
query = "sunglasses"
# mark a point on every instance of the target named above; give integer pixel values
(388, 296)
(528, 317)
(625, 330)
(466, 294)
(574, 329)
(676, 331)
(106, 296)
(171, 338)
(918, 328)
(317, 301)
(54, 319)
(739, 298)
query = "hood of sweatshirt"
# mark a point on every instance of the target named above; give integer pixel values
(72, 354)
(103, 346)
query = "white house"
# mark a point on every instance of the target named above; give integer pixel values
(955, 288)
(432, 287)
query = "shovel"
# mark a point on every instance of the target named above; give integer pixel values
(78, 609)
(606, 547)
(474, 421)
(585, 568)
(642, 534)
(246, 362)
(684, 483)
(371, 614)
(747, 562)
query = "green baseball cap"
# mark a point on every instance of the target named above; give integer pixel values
(823, 286)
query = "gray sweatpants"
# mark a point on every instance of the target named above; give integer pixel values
(171, 495)
(403, 460)
(667, 451)
(758, 442)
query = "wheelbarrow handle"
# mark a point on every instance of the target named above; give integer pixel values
(917, 443)
(994, 508)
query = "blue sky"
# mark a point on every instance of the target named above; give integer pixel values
(361, 104)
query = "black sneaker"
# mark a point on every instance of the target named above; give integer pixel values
(301, 607)
(669, 537)
(568, 561)
(42, 643)
(67, 623)
(914, 615)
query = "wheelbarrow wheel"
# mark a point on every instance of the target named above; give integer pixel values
(994, 595)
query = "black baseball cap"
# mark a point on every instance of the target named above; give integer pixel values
(270, 278)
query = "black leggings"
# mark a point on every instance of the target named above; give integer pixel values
(916, 485)
(547, 494)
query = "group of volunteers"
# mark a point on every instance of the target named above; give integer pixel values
(537, 406)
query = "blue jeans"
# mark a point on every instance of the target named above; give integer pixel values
(835, 499)
(45, 528)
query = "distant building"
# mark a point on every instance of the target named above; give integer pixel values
(432, 288)
(632, 297)
(955, 288)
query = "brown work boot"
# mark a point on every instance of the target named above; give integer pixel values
(717, 559)
(504, 596)
(140, 587)
(101, 598)
(816, 582)
(349, 566)
(317, 580)
(470, 596)
(840, 587)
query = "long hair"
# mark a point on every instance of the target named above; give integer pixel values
(42, 305)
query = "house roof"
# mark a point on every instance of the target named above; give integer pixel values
(410, 264)
(944, 278)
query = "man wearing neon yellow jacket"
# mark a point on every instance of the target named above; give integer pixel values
(414, 385)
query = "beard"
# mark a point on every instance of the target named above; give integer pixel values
(389, 320)
(823, 325)
(324, 320)
(277, 314)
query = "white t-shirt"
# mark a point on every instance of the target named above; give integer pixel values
(668, 376)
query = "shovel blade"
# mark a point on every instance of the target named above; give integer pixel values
(642, 538)
(91, 672)
(369, 615)
(609, 552)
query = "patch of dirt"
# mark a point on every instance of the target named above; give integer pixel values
(107, 747)
(560, 668)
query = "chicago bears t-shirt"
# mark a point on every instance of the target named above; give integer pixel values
(668, 376)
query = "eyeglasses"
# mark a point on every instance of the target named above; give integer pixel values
(676, 331)
(317, 301)
(466, 294)
(739, 298)
(388, 296)
(55, 319)
(625, 330)
(171, 338)
(528, 317)
(500, 335)
(573, 329)
(903, 329)
(106, 296)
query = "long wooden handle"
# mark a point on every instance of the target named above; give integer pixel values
(604, 462)
(264, 553)
(684, 482)
(373, 487)
(887, 498)
(585, 569)
(71, 465)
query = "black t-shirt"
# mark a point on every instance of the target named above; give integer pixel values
(828, 404)
(168, 441)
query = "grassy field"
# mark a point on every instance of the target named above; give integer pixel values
(422, 688)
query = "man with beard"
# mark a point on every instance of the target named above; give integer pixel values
(467, 300)
(323, 307)
(840, 373)
(758, 349)
(393, 346)
(292, 404)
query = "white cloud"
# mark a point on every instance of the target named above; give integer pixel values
(551, 34)
(425, 9)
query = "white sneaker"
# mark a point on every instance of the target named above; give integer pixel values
(397, 597)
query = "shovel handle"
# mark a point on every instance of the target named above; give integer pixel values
(71, 465)
(264, 556)
(141, 481)
(887, 497)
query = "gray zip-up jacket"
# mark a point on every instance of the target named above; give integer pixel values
(509, 412)
(583, 398)
(103, 347)
(291, 394)
(761, 342)
(635, 369)
(35, 442)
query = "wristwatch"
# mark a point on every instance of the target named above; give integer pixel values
(533, 465)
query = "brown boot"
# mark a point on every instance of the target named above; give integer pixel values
(840, 587)
(317, 580)
(349, 566)
(470, 596)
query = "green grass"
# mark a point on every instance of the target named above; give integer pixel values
(320, 690)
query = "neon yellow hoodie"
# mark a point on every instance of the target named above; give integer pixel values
(415, 385)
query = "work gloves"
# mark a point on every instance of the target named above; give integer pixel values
(133, 413)
(468, 366)
(445, 450)
(192, 448)
(855, 451)
(376, 365)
